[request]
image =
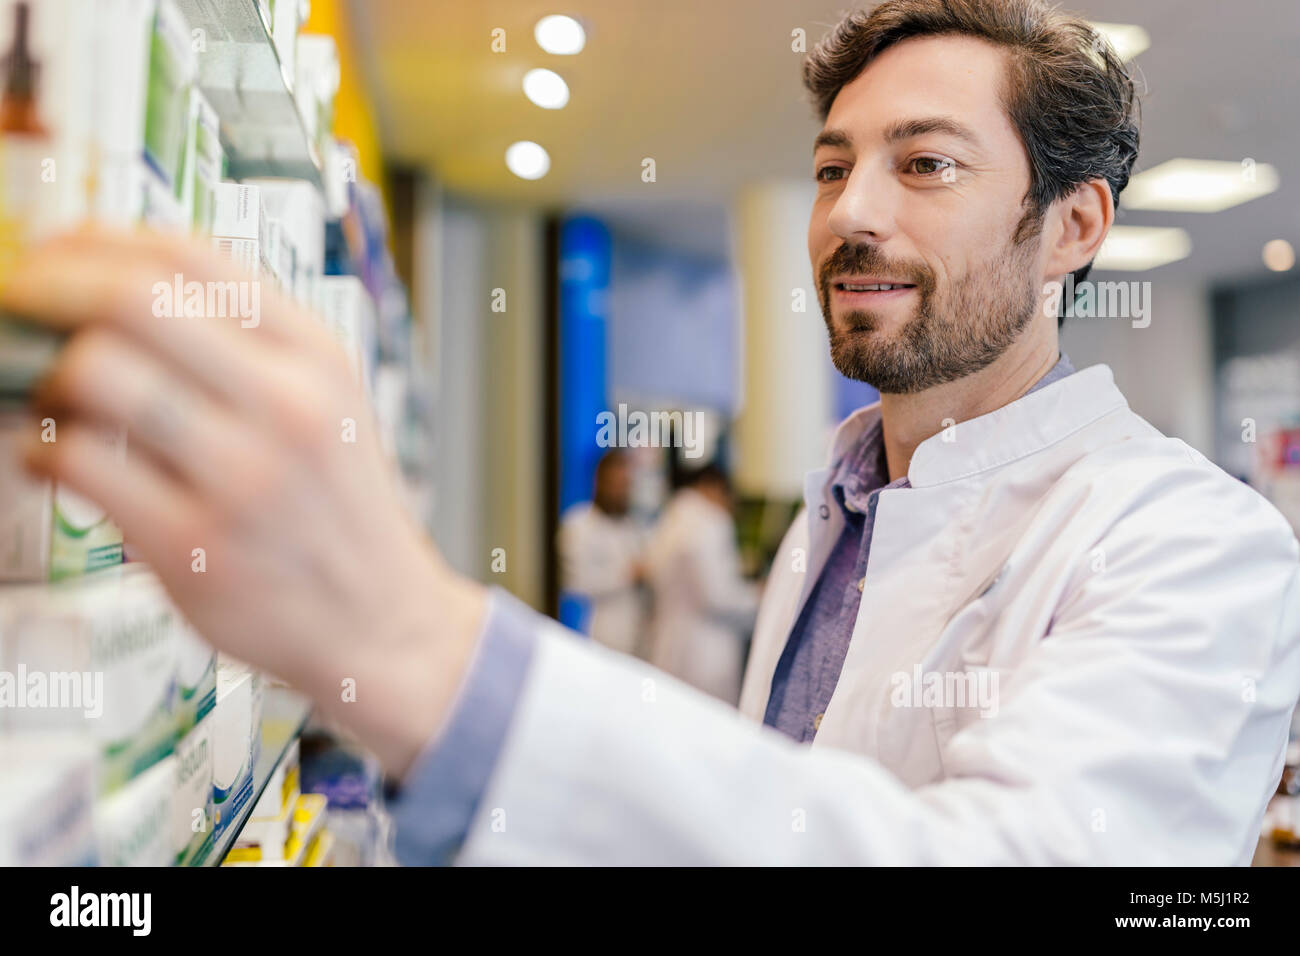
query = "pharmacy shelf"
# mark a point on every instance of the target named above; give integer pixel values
(284, 714)
(241, 75)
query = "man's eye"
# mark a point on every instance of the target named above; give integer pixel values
(830, 174)
(929, 165)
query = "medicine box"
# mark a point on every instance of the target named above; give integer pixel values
(133, 827)
(47, 531)
(94, 657)
(348, 312)
(47, 800)
(239, 227)
(192, 826)
(234, 744)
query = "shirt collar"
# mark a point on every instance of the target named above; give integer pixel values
(861, 471)
(1059, 403)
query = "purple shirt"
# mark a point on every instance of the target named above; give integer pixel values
(809, 667)
(438, 803)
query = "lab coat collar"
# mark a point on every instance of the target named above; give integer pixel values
(1020, 428)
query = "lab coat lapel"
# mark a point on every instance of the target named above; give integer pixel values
(932, 547)
(913, 573)
(798, 564)
(936, 546)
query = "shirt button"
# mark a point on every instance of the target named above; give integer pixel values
(817, 721)
(862, 583)
(824, 511)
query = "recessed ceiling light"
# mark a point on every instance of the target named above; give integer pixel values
(1126, 39)
(560, 35)
(527, 160)
(1134, 248)
(1279, 255)
(546, 88)
(1199, 185)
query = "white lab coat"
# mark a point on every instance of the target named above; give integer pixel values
(598, 555)
(1139, 607)
(703, 607)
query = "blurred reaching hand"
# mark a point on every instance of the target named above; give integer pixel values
(254, 482)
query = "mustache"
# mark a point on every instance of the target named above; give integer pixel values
(862, 257)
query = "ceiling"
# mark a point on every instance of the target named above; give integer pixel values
(711, 92)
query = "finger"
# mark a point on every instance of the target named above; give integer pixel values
(130, 280)
(105, 378)
(141, 499)
(283, 319)
(233, 363)
(51, 265)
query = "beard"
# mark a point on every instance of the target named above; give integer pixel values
(948, 336)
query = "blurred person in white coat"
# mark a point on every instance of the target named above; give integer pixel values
(703, 607)
(1076, 641)
(601, 545)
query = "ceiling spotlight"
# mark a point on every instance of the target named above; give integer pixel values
(546, 88)
(1126, 39)
(527, 160)
(559, 34)
(1199, 185)
(1137, 248)
(1279, 256)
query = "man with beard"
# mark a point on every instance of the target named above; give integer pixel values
(1013, 624)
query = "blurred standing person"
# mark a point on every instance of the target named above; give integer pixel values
(601, 549)
(703, 606)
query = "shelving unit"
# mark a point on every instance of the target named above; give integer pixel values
(284, 714)
(241, 75)
(251, 90)
(250, 93)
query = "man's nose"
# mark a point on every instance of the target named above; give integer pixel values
(864, 211)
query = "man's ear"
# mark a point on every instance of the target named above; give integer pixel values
(1083, 218)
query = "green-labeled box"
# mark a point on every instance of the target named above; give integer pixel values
(95, 656)
(48, 532)
(192, 810)
(133, 827)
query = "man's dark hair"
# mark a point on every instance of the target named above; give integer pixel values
(1066, 91)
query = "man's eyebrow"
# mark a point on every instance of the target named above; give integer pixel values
(902, 129)
(907, 128)
(832, 137)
